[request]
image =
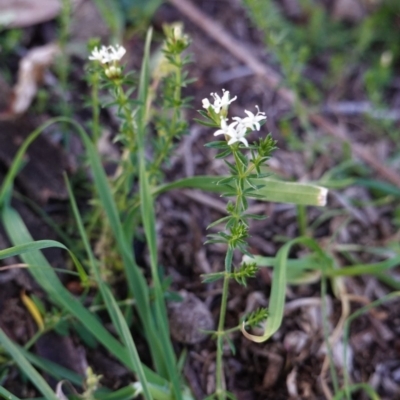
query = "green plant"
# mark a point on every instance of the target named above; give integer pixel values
(124, 202)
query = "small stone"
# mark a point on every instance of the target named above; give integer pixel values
(189, 318)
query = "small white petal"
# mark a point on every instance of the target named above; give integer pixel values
(96, 55)
(117, 52)
(206, 104)
(238, 139)
(220, 103)
(253, 121)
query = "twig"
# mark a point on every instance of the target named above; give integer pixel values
(205, 200)
(360, 107)
(274, 81)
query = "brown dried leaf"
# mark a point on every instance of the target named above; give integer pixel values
(23, 13)
(348, 10)
(30, 74)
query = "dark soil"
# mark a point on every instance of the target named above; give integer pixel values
(291, 364)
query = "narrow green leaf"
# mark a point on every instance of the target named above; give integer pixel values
(4, 393)
(291, 192)
(46, 277)
(56, 371)
(347, 387)
(27, 367)
(166, 358)
(219, 221)
(219, 144)
(94, 265)
(278, 288)
(272, 190)
(129, 343)
(205, 123)
(213, 277)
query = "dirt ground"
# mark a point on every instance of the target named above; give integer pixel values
(293, 364)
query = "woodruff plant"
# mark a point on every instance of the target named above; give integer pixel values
(137, 173)
(244, 168)
(151, 120)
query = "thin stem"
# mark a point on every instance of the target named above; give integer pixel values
(95, 106)
(220, 390)
(126, 168)
(302, 220)
(325, 325)
(175, 117)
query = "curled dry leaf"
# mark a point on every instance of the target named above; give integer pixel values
(59, 391)
(23, 13)
(30, 74)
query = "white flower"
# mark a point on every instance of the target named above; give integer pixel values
(116, 53)
(108, 54)
(251, 121)
(98, 55)
(219, 102)
(239, 136)
(222, 102)
(226, 129)
(177, 31)
(235, 132)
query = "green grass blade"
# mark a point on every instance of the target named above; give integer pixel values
(364, 269)
(40, 245)
(129, 343)
(297, 267)
(94, 265)
(27, 367)
(28, 247)
(136, 281)
(131, 392)
(143, 91)
(278, 288)
(358, 386)
(56, 371)
(291, 192)
(346, 334)
(149, 222)
(272, 190)
(299, 271)
(18, 159)
(49, 281)
(5, 394)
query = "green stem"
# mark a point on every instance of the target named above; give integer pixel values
(127, 168)
(302, 220)
(123, 102)
(175, 117)
(220, 390)
(63, 65)
(95, 106)
(239, 183)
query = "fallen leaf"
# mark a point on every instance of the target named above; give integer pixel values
(30, 75)
(348, 10)
(23, 13)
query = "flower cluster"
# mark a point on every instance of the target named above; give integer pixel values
(220, 103)
(108, 54)
(237, 130)
(110, 57)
